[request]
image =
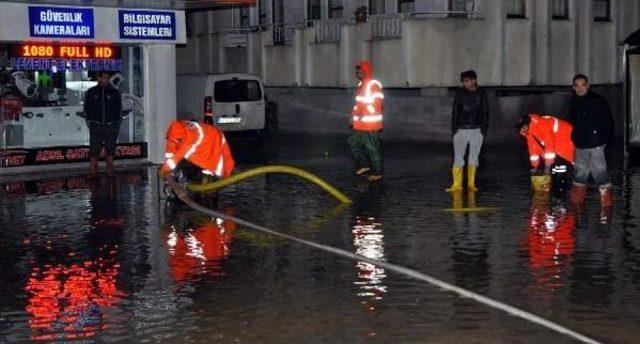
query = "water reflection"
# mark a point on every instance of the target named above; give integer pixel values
(550, 241)
(469, 244)
(197, 244)
(368, 239)
(68, 292)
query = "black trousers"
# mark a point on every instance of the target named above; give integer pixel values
(100, 134)
(561, 176)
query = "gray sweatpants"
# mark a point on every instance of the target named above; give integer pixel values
(462, 138)
(591, 161)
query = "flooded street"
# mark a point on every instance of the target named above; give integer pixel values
(104, 261)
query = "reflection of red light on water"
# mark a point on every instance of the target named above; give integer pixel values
(550, 245)
(200, 251)
(64, 302)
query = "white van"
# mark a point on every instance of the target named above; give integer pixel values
(234, 102)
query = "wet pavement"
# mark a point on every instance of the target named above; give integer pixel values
(104, 261)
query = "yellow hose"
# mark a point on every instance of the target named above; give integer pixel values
(270, 169)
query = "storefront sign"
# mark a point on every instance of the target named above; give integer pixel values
(62, 22)
(67, 51)
(54, 155)
(147, 24)
(60, 64)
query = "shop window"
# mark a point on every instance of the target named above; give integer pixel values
(516, 8)
(335, 8)
(314, 10)
(43, 87)
(560, 9)
(461, 8)
(406, 6)
(602, 10)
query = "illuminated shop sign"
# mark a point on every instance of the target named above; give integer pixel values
(147, 24)
(52, 155)
(67, 51)
(62, 22)
(65, 57)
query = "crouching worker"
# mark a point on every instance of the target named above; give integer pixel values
(203, 145)
(549, 138)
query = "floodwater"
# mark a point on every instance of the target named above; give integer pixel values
(105, 261)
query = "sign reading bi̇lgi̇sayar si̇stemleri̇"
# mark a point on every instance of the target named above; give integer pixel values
(154, 25)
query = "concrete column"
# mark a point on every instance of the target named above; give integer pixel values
(254, 53)
(584, 28)
(308, 60)
(346, 48)
(159, 95)
(222, 56)
(407, 47)
(299, 56)
(495, 17)
(541, 16)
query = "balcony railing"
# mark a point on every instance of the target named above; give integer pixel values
(327, 30)
(387, 25)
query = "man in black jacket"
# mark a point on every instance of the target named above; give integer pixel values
(592, 123)
(470, 120)
(103, 110)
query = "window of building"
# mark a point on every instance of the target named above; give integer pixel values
(244, 17)
(461, 8)
(314, 10)
(262, 12)
(376, 7)
(602, 10)
(335, 8)
(406, 6)
(516, 8)
(560, 9)
(278, 11)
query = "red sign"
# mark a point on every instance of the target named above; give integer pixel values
(10, 108)
(67, 51)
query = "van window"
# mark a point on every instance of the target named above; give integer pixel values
(232, 91)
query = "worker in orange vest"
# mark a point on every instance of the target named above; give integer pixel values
(366, 122)
(202, 145)
(549, 138)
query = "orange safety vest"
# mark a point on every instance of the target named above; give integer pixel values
(201, 144)
(549, 136)
(367, 113)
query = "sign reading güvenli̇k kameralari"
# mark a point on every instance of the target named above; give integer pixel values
(136, 24)
(63, 22)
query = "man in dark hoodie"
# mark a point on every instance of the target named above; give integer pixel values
(592, 122)
(103, 111)
(469, 123)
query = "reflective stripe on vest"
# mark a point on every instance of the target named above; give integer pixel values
(198, 141)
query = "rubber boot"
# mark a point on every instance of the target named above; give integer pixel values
(93, 167)
(109, 162)
(456, 173)
(606, 199)
(457, 199)
(471, 178)
(577, 194)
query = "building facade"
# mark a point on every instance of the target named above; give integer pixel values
(525, 51)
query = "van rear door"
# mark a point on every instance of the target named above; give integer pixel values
(238, 104)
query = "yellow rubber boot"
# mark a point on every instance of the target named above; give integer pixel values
(456, 173)
(471, 178)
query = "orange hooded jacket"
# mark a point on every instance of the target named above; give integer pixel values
(201, 144)
(549, 136)
(367, 113)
